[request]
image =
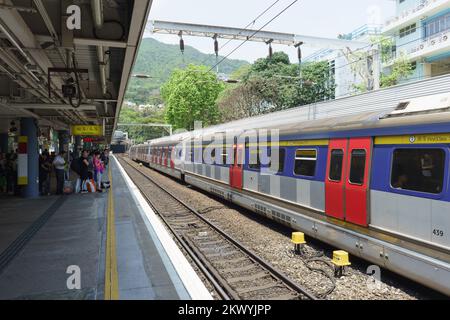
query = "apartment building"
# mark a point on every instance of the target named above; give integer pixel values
(346, 78)
(421, 30)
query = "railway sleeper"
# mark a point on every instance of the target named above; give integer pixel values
(266, 286)
(241, 268)
(251, 277)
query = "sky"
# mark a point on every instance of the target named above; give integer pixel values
(321, 18)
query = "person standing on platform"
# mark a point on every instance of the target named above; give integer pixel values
(105, 158)
(60, 165)
(84, 170)
(98, 170)
(45, 168)
(11, 174)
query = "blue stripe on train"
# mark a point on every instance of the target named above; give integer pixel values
(288, 171)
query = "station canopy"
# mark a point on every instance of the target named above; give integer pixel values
(68, 63)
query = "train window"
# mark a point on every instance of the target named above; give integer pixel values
(358, 166)
(419, 170)
(305, 162)
(337, 158)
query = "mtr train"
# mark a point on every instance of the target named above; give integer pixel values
(375, 184)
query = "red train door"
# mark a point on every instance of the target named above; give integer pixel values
(172, 151)
(357, 183)
(166, 156)
(236, 169)
(347, 179)
(335, 179)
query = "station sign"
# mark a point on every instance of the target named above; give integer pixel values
(85, 130)
(94, 140)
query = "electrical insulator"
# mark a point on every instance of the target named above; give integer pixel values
(216, 46)
(182, 45)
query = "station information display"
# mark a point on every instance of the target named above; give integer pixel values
(87, 130)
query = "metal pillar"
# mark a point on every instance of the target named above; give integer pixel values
(4, 142)
(77, 147)
(28, 128)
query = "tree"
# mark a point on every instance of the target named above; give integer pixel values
(273, 84)
(190, 95)
(141, 134)
(158, 60)
(400, 68)
(244, 100)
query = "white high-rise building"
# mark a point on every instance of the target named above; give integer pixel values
(421, 30)
(346, 78)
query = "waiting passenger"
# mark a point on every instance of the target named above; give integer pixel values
(105, 157)
(84, 170)
(98, 170)
(11, 174)
(60, 166)
(45, 168)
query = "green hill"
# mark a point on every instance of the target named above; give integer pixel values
(158, 59)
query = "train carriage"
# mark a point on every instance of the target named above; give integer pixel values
(375, 184)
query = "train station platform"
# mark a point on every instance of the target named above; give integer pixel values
(107, 245)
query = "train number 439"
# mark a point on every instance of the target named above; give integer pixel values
(438, 232)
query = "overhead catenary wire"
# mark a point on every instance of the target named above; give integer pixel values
(245, 28)
(363, 57)
(354, 51)
(360, 59)
(368, 54)
(378, 43)
(252, 22)
(254, 33)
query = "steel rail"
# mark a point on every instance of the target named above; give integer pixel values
(266, 265)
(204, 268)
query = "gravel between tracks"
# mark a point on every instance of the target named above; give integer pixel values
(271, 242)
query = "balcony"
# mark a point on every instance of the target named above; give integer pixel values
(424, 9)
(431, 46)
(434, 45)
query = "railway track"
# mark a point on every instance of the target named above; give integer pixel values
(235, 272)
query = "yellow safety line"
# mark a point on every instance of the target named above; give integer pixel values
(111, 276)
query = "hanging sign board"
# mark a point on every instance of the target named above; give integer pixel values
(84, 130)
